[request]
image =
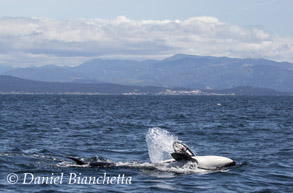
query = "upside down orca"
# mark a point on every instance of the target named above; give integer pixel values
(181, 154)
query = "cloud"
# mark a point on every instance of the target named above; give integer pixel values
(40, 41)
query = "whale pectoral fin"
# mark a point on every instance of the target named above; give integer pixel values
(78, 161)
(183, 157)
(181, 148)
(179, 156)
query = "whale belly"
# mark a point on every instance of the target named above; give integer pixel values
(213, 162)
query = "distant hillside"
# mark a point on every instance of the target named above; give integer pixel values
(249, 91)
(9, 84)
(187, 71)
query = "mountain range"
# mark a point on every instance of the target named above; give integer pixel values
(9, 84)
(13, 85)
(179, 71)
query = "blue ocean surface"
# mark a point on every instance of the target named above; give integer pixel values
(37, 132)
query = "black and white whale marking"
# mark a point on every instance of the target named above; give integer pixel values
(210, 162)
(182, 154)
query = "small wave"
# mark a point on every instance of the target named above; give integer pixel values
(124, 151)
(181, 168)
(68, 164)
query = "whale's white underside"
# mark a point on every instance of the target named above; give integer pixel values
(208, 162)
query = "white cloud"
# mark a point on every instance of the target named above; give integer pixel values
(40, 41)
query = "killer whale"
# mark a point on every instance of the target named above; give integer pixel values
(209, 162)
(181, 154)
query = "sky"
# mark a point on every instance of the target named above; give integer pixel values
(69, 32)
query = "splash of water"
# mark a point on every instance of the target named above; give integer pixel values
(159, 142)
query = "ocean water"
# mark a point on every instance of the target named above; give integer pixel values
(37, 132)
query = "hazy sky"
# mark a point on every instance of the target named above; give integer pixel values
(273, 15)
(67, 32)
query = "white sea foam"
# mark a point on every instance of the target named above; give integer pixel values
(164, 169)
